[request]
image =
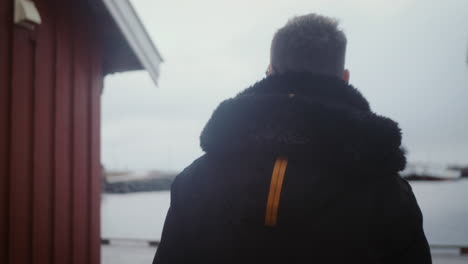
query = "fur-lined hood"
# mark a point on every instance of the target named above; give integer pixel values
(309, 116)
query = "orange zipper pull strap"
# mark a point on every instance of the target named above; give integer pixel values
(274, 194)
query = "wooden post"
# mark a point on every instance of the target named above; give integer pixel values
(464, 251)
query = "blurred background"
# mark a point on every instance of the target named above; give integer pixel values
(407, 57)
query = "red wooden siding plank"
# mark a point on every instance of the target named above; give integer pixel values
(21, 147)
(43, 137)
(95, 157)
(63, 135)
(5, 89)
(80, 141)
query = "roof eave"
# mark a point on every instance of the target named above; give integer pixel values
(136, 35)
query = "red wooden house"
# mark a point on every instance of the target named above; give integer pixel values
(54, 55)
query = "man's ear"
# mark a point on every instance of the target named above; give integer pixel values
(346, 75)
(270, 70)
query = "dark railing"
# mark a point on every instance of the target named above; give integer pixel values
(462, 249)
(129, 242)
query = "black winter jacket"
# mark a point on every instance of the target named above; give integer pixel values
(341, 199)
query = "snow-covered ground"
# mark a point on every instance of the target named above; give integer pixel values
(134, 216)
(141, 215)
(445, 209)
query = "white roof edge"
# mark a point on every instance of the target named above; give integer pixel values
(132, 28)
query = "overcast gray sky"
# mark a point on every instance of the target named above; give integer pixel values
(408, 57)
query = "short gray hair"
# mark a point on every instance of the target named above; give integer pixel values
(309, 43)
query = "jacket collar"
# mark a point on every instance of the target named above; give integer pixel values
(307, 85)
(308, 116)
